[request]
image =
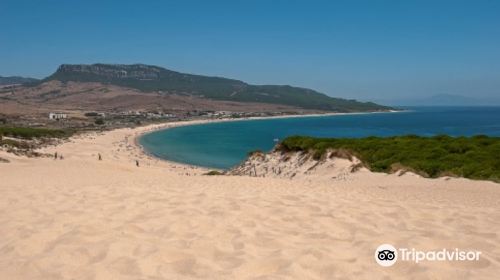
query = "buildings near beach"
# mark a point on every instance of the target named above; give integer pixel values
(57, 116)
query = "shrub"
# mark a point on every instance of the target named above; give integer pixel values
(30, 133)
(13, 143)
(471, 157)
(213, 172)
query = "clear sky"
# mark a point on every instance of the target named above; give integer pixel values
(369, 50)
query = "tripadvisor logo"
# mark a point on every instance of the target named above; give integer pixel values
(387, 255)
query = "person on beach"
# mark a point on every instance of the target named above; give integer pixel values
(99, 155)
(137, 163)
(55, 155)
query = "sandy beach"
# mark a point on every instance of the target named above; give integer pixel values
(81, 218)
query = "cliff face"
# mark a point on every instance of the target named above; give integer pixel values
(136, 71)
(333, 165)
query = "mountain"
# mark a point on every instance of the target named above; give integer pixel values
(149, 78)
(14, 80)
(443, 100)
(449, 100)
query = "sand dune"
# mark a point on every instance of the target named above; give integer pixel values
(80, 218)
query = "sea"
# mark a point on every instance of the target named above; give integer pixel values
(223, 145)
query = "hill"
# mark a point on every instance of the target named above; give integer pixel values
(440, 100)
(470, 157)
(148, 78)
(14, 80)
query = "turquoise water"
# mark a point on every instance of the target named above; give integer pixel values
(223, 145)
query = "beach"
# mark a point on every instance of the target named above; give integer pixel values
(84, 218)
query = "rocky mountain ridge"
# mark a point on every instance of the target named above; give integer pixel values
(147, 78)
(138, 71)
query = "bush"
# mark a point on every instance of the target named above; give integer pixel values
(16, 144)
(30, 133)
(213, 172)
(471, 157)
(99, 121)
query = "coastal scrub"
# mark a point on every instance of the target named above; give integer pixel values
(474, 157)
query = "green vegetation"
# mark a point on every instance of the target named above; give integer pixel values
(30, 133)
(475, 157)
(99, 121)
(15, 143)
(213, 173)
(152, 78)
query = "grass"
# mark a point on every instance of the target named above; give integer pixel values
(475, 157)
(31, 133)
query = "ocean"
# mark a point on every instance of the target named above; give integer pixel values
(225, 144)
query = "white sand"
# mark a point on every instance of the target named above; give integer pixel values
(80, 218)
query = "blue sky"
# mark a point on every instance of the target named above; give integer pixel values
(369, 50)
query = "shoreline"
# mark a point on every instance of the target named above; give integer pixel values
(168, 125)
